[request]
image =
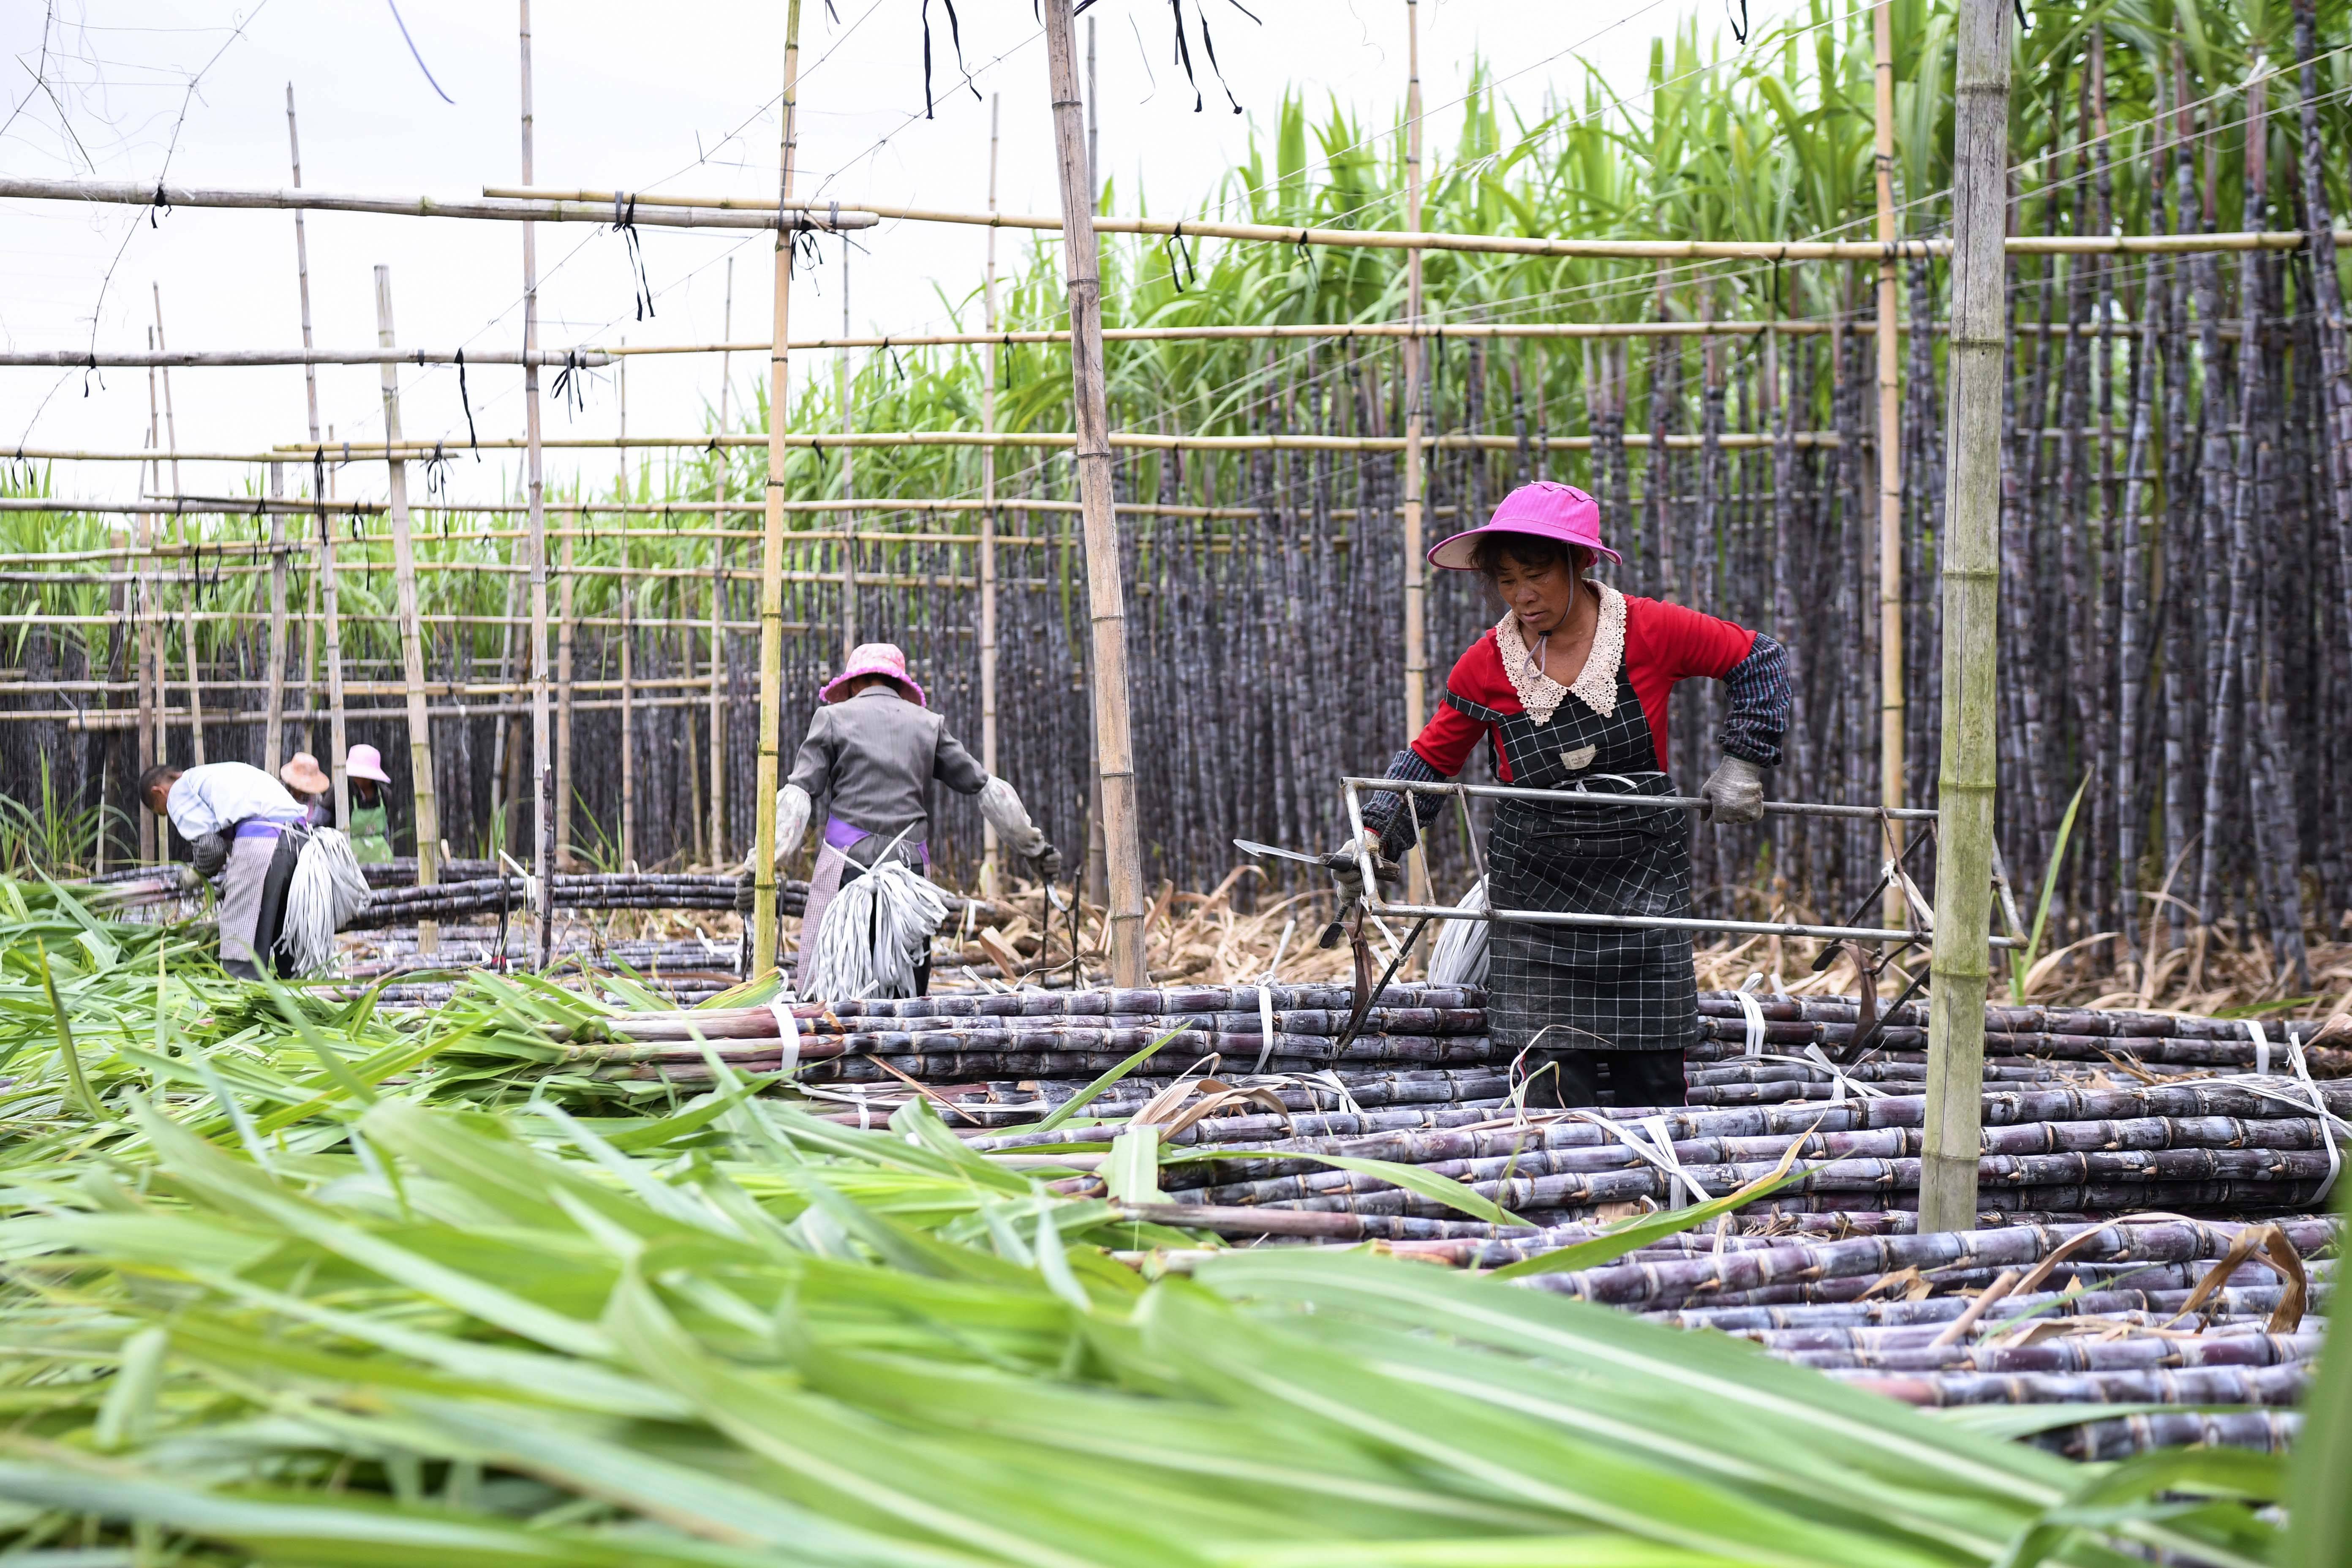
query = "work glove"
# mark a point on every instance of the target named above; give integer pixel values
(1347, 868)
(743, 891)
(793, 807)
(1002, 810)
(209, 852)
(1047, 861)
(1733, 792)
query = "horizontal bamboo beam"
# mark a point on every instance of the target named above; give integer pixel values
(191, 359)
(1505, 244)
(105, 719)
(599, 358)
(1254, 332)
(815, 217)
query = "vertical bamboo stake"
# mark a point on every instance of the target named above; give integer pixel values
(273, 735)
(1093, 124)
(848, 475)
(1948, 1169)
(423, 805)
(719, 599)
(1890, 715)
(1105, 593)
(154, 701)
(331, 623)
(150, 730)
(991, 852)
(195, 586)
(543, 841)
(566, 650)
(1416, 635)
(628, 636)
(771, 543)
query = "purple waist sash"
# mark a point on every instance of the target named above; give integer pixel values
(842, 836)
(266, 828)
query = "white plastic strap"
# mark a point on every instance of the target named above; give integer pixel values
(1657, 1150)
(788, 1029)
(2263, 1045)
(2319, 1103)
(1845, 1086)
(1755, 1015)
(1265, 1022)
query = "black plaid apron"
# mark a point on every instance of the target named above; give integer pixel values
(1609, 989)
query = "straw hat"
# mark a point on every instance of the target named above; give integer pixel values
(303, 775)
(1545, 510)
(876, 659)
(366, 763)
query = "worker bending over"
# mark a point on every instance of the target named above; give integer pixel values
(234, 817)
(871, 752)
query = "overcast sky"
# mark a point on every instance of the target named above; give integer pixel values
(677, 96)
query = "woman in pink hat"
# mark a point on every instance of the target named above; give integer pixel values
(871, 750)
(1570, 686)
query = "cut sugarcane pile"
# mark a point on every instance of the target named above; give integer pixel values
(2231, 1145)
(407, 905)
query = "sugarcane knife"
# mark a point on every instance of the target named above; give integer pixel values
(1337, 929)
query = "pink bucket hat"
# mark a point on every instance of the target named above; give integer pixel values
(875, 658)
(1543, 508)
(365, 763)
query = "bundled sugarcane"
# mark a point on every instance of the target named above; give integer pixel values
(2214, 1113)
(1175, 1001)
(2120, 1350)
(1789, 1024)
(404, 906)
(2272, 1386)
(1316, 1102)
(1720, 1278)
(2122, 1437)
(1813, 1323)
(401, 871)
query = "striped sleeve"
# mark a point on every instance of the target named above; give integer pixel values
(1762, 696)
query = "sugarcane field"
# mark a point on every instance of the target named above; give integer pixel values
(1369, 784)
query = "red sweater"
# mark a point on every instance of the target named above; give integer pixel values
(1663, 644)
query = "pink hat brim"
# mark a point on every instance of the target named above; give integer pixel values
(363, 770)
(905, 681)
(1459, 553)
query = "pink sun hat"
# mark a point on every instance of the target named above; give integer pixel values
(875, 658)
(365, 763)
(1545, 510)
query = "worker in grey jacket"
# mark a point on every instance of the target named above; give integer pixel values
(872, 752)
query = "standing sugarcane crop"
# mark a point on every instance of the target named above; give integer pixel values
(871, 750)
(1570, 686)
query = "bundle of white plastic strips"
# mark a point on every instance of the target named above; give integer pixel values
(327, 891)
(875, 934)
(1459, 957)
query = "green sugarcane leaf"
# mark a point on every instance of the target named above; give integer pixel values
(1132, 1171)
(1414, 1179)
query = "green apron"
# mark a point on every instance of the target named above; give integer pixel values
(371, 834)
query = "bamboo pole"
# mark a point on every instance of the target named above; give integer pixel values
(543, 841)
(771, 550)
(1962, 957)
(1106, 596)
(310, 359)
(601, 357)
(1366, 238)
(1127, 440)
(992, 852)
(1892, 715)
(1416, 572)
(195, 587)
(628, 653)
(663, 214)
(567, 632)
(323, 581)
(423, 805)
(719, 606)
(849, 477)
(274, 737)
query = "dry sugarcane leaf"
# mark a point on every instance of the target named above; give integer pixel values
(1907, 1281)
(2268, 1245)
(1000, 953)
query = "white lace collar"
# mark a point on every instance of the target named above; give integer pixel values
(1596, 685)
